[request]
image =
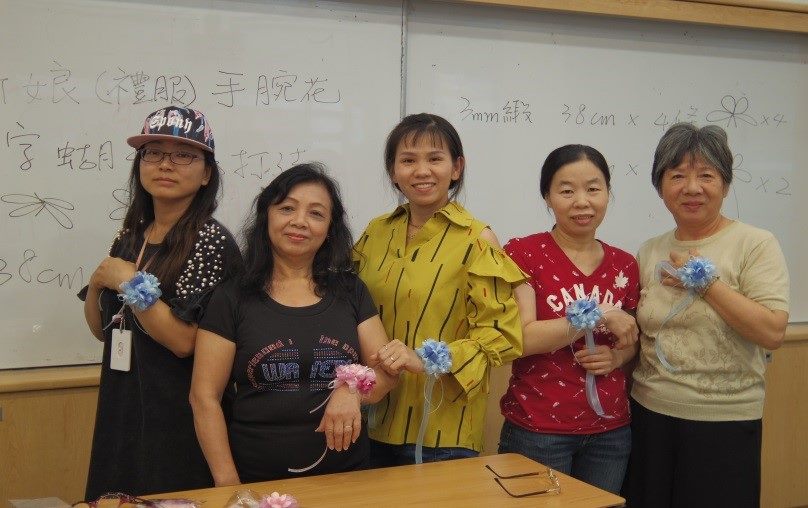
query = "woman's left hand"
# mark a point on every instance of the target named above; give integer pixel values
(601, 361)
(342, 420)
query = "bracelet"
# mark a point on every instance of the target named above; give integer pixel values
(436, 357)
(702, 291)
(141, 291)
(697, 274)
(358, 378)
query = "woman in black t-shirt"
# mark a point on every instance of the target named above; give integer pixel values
(144, 440)
(279, 333)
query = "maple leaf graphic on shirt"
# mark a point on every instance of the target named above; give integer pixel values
(620, 280)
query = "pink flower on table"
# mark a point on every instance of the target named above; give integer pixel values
(276, 500)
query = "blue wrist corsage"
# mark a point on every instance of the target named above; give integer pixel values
(437, 360)
(436, 356)
(584, 314)
(141, 291)
(697, 274)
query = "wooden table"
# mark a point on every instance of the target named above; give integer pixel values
(461, 483)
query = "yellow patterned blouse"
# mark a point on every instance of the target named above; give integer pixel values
(446, 284)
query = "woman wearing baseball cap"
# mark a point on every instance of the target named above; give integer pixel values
(144, 301)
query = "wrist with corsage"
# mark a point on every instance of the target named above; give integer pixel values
(436, 357)
(698, 275)
(358, 378)
(703, 290)
(141, 291)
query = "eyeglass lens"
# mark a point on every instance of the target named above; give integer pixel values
(181, 158)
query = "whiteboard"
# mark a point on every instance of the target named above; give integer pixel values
(280, 82)
(518, 84)
(289, 81)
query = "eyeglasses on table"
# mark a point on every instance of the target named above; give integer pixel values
(547, 482)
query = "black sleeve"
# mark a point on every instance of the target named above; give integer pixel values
(220, 316)
(214, 259)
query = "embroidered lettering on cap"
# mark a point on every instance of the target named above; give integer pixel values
(157, 122)
(188, 124)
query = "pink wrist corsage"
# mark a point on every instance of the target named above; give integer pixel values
(358, 378)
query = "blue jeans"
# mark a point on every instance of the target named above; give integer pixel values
(597, 459)
(388, 455)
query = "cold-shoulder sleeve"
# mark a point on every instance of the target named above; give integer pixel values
(495, 332)
(214, 259)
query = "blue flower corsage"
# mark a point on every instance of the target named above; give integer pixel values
(436, 356)
(584, 314)
(697, 274)
(141, 292)
(437, 360)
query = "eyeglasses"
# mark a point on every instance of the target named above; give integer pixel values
(548, 479)
(179, 158)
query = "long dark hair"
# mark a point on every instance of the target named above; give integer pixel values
(440, 132)
(179, 241)
(332, 264)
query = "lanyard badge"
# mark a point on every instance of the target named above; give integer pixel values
(120, 356)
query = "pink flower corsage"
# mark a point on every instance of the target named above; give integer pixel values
(276, 500)
(359, 378)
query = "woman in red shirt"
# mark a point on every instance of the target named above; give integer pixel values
(547, 413)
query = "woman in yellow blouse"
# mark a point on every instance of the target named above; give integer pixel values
(435, 272)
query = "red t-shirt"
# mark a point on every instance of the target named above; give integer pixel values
(546, 392)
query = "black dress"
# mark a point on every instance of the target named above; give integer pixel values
(144, 440)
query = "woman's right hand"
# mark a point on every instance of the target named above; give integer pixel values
(111, 272)
(396, 356)
(622, 325)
